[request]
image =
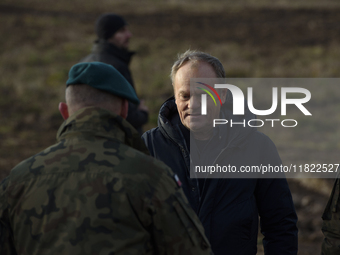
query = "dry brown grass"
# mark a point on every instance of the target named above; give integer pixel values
(41, 40)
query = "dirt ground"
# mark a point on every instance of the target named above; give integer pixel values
(264, 27)
(267, 30)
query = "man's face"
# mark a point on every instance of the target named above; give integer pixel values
(121, 38)
(189, 105)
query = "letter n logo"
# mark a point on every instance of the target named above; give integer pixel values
(238, 98)
(204, 97)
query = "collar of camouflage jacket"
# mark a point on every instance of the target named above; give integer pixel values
(99, 122)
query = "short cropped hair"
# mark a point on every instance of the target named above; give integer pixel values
(197, 56)
(80, 96)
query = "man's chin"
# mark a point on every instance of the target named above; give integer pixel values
(196, 122)
(199, 127)
(126, 45)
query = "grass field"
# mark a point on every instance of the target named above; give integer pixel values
(41, 40)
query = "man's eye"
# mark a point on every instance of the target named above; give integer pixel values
(185, 97)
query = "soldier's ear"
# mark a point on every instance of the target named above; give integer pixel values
(124, 108)
(63, 109)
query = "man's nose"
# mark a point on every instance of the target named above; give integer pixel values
(195, 102)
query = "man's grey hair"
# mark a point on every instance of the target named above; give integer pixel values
(80, 96)
(197, 56)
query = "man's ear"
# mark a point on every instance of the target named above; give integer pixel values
(224, 95)
(63, 109)
(124, 109)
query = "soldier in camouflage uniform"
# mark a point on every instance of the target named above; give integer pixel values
(331, 223)
(95, 192)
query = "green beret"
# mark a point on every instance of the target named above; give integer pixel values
(103, 77)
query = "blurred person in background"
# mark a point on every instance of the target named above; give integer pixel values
(111, 47)
(331, 223)
(229, 209)
(95, 191)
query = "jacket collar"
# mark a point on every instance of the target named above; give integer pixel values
(236, 136)
(95, 121)
(102, 46)
(171, 126)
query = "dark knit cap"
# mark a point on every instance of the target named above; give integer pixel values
(103, 77)
(108, 24)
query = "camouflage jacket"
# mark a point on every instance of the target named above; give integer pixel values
(94, 192)
(331, 223)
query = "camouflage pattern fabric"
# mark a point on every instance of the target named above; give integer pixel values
(92, 193)
(331, 223)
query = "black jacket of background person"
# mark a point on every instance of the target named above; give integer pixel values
(229, 208)
(108, 53)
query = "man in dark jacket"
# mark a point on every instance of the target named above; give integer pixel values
(111, 48)
(228, 208)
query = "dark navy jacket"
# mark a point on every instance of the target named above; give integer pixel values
(229, 208)
(108, 53)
